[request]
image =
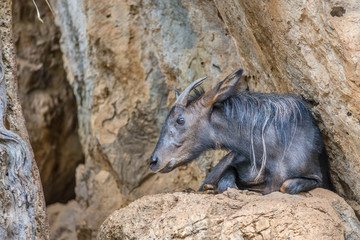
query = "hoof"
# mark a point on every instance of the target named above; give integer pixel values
(209, 189)
(290, 187)
(283, 188)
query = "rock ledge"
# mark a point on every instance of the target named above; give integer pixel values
(319, 214)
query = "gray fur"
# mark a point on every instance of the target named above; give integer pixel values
(274, 141)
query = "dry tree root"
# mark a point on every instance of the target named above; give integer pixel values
(17, 190)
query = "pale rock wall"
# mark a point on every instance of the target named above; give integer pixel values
(122, 59)
(62, 218)
(311, 48)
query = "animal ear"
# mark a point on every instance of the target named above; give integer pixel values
(225, 88)
(177, 93)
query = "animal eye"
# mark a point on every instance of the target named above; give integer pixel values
(180, 121)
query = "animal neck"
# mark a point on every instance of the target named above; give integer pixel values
(246, 121)
(236, 124)
(226, 133)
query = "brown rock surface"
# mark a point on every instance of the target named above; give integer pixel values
(62, 218)
(311, 48)
(319, 214)
(122, 59)
(47, 99)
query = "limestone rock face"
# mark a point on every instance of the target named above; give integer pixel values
(122, 59)
(47, 99)
(312, 49)
(319, 214)
(62, 218)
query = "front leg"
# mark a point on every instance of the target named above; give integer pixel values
(214, 176)
(227, 180)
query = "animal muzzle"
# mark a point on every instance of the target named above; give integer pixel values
(158, 165)
(154, 163)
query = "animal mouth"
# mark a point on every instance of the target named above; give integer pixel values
(168, 167)
(153, 166)
(174, 163)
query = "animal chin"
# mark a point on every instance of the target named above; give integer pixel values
(166, 169)
(169, 166)
(174, 163)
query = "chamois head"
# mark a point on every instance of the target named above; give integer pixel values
(187, 130)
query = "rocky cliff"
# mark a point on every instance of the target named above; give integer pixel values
(47, 99)
(123, 58)
(312, 49)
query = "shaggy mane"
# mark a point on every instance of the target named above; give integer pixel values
(256, 112)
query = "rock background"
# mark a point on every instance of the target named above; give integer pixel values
(122, 59)
(312, 49)
(47, 99)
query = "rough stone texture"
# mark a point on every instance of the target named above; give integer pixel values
(121, 58)
(62, 218)
(47, 99)
(22, 204)
(311, 48)
(319, 214)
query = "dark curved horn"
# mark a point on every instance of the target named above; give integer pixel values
(182, 99)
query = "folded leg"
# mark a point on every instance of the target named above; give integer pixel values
(228, 180)
(296, 185)
(215, 175)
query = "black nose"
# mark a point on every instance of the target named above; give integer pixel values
(153, 160)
